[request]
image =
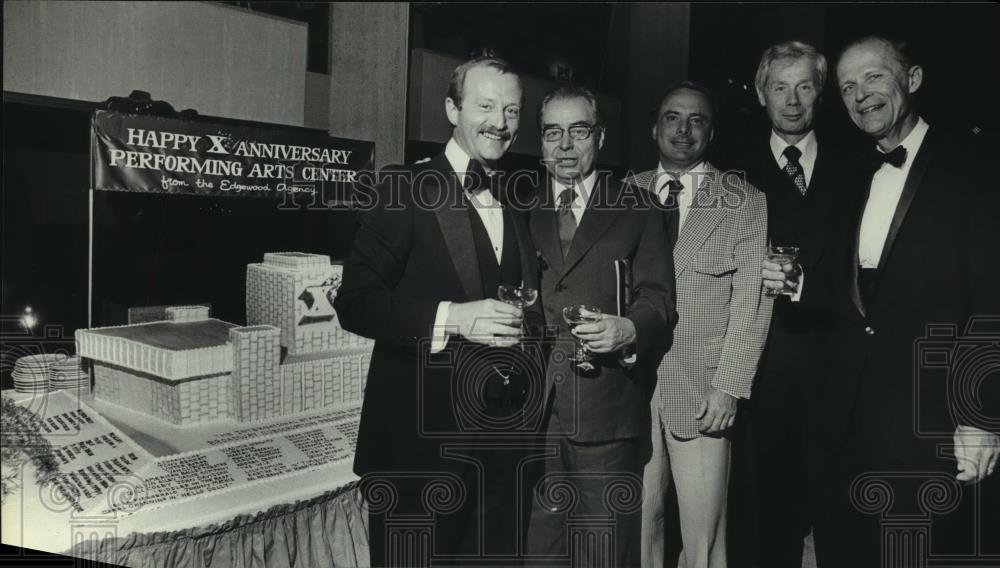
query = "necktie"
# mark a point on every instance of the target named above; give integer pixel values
(567, 222)
(674, 188)
(896, 158)
(794, 169)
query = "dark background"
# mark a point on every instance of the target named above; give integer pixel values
(157, 249)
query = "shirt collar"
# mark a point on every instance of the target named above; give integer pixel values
(584, 188)
(807, 145)
(458, 159)
(697, 172)
(912, 141)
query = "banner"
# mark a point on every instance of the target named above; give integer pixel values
(166, 155)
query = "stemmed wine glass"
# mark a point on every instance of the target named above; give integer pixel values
(574, 316)
(522, 297)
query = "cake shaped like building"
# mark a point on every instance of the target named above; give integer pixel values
(292, 356)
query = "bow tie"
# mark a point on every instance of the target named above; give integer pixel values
(896, 158)
(476, 179)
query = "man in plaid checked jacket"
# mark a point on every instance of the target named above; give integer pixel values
(723, 316)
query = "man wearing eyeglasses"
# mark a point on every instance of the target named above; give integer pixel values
(723, 317)
(590, 230)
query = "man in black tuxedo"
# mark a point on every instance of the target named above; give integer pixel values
(905, 266)
(590, 231)
(435, 241)
(797, 172)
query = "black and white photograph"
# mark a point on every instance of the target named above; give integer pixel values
(500, 284)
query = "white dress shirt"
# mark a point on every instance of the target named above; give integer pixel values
(807, 146)
(886, 189)
(690, 179)
(491, 214)
(582, 197)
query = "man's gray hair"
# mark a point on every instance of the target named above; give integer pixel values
(790, 50)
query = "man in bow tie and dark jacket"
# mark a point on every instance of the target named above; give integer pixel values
(904, 395)
(439, 443)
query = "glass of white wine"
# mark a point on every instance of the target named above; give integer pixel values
(782, 256)
(522, 297)
(574, 316)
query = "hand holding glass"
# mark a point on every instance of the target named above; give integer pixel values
(574, 316)
(783, 256)
(521, 297)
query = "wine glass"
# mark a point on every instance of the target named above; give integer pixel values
(574, 316)
(782, 256)
(522, 297)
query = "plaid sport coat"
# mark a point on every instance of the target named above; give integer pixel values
(723, 314)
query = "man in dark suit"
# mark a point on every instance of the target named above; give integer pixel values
(598, 420)
(797, 172)
(433, 246)
(906, 265)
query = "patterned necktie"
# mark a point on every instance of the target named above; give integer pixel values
(794, 169)
(567, 222)
(672, 204)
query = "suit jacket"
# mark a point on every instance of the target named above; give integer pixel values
(939, 267)
(789, 213)
(619, 223)
(791, 217)
(723, 314)
(414, 248)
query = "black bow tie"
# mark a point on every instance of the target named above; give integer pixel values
(896, 158)
(476, 179)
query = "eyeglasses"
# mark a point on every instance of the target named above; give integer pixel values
(576, 132)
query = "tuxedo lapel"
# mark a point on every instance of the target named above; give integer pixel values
(913, 180)
(854, 286)
(529, 260)
(706, 212)
(456, 227)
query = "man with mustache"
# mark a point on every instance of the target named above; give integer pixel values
(433, 246)
(593, 236)
(723, 317)
(914, 252)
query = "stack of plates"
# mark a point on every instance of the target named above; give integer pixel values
(31, 373)
(69, 374)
